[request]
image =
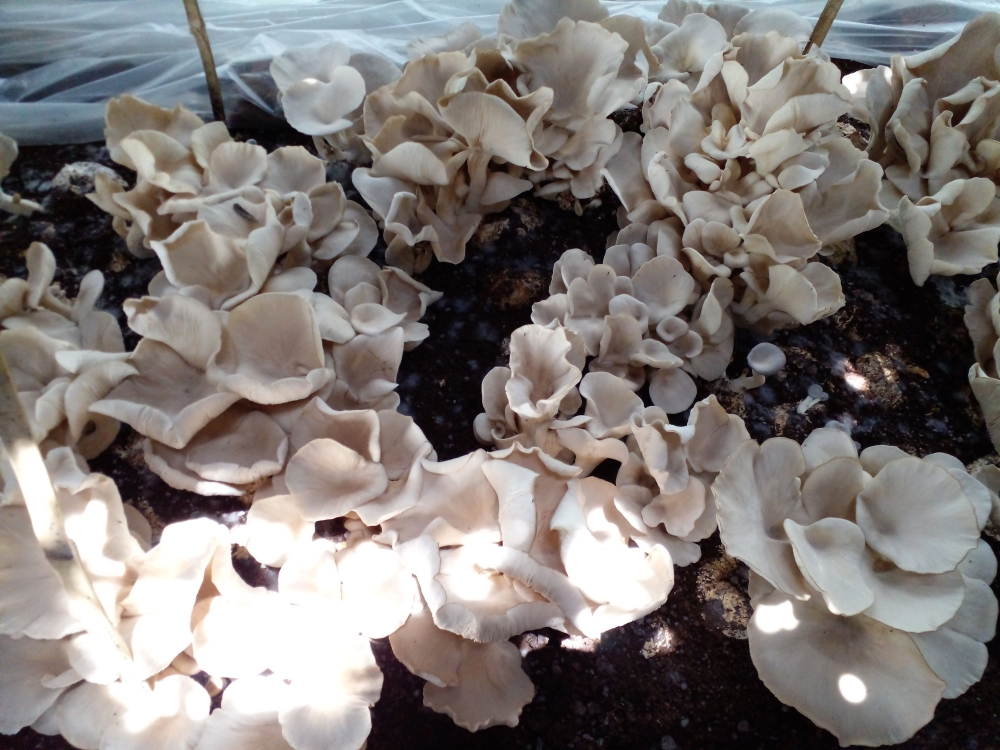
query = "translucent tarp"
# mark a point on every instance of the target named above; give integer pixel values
(61, 61)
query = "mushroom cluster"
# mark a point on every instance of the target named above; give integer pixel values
(982, 320)
(868, 571)
(472, 122)
(742, 173)
(935, 127)
(870, 583)
(639, 314)
(200, 193)
(13, 204)
(451, 559)
(63, 354)
(665, 470)
(181, 609)
(222, 375)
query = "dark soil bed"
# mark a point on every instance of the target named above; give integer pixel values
(894, 364)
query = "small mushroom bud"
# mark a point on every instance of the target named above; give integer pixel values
(767, 359)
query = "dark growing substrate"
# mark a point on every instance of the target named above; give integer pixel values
(682, 676)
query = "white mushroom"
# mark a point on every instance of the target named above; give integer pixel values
(14, 204)
(884, 564)
(847, 674)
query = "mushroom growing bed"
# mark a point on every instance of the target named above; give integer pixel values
(890, 366)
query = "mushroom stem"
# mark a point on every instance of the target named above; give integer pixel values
(47, 520)
(823, 24)
(200, 34)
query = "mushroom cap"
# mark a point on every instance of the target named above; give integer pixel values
(470, 600)
(599, 560)
(437, 510)
(863, 681)
(328, 704)
(542, 373)
(376, 588)
(310, 573)
(234, 637)
(328, 480)
(33, 601)
(915, 513)
(673, 390)
(428, 651)
(767, 359)
(173, 714)
(278, 362)
(248, 717)
(756, 491)
(33, 674)
(169, 400)
(492, 688)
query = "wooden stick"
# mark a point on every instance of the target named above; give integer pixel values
(823, 24)
(200, 34)
(47, 522)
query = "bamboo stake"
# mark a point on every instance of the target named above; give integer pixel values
(47, 522)
(823, 24)
(200, 34)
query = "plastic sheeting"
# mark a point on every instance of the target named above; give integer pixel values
(61, 61)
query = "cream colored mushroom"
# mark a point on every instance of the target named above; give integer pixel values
(492, 688)
(34, 675)
(846, 674)
(14, 204)
(954, 231)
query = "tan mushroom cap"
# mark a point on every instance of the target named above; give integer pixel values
(541, 371)
(319, 89)
(169, 400)
(33, 602)
(127, 114)
(377, 589)
(172, 715)
(233, 636)
(248, 717)
(182, 323)
(84, 713)
(33, 674)
(240, 446)
(331, 689)
(907, 500)
(428, 651)
(861, 680)
(549, 486)
(956, 651)
(468, 600)
(437, 510)
(281, 363)
(756, 491)
(492, 688)
(597, 557)
(328, 480)
(157, 611)
(831, 555)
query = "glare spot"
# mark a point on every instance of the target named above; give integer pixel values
(853, 83)
(887, 74)
(196, 707)
(771, 618)
(310, 81)
(856, 381)
(852, 688)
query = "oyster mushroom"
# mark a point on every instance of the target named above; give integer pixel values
(14, 204)
(867, 551)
